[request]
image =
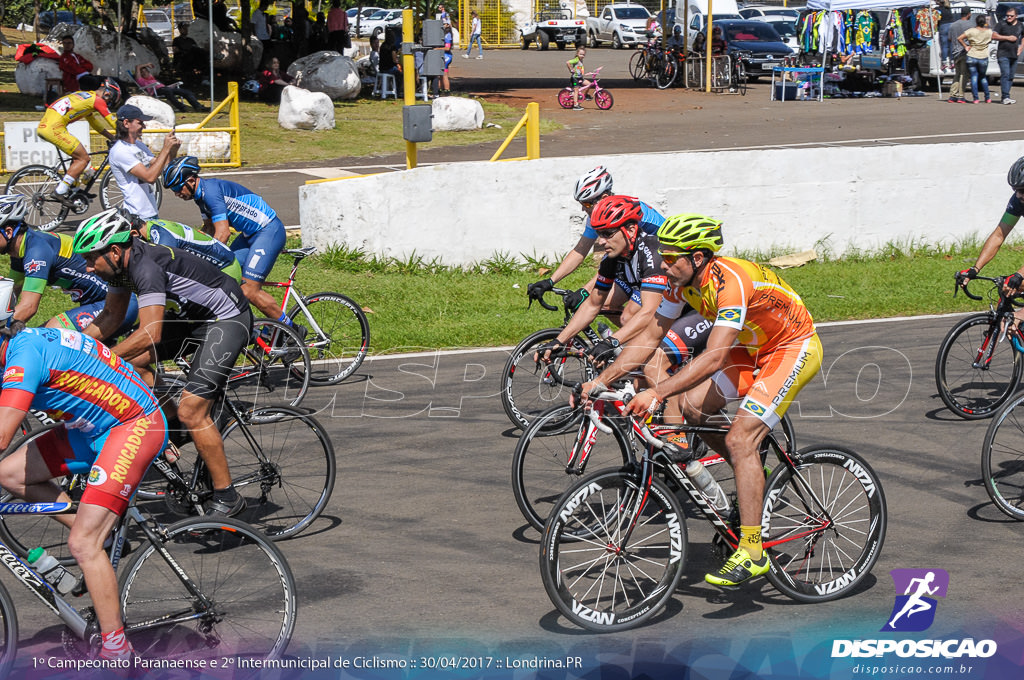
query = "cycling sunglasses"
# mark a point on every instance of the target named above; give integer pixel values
(672, 256)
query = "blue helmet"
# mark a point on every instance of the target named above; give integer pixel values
(13, 208)
(179, 170)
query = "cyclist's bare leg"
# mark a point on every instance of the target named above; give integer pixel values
(25, 474)
(79, 161)
(194, 413)
(93, 524)
(260, 299)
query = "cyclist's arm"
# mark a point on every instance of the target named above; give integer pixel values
(10, 420)
(151, 325)
(28, 305)
(995, 239)
(649, 301)
(574, 259)
(638, 351)
(220, 230)
(110, 318)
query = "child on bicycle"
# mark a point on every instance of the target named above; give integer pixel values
(579, 84)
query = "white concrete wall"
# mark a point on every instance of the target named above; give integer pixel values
(775, 199)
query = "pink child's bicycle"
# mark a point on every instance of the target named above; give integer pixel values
(602, 97)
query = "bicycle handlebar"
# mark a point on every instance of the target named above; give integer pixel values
(561, 292)
(998, 282)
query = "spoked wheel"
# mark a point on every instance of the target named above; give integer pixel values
(977, 368)
(565, 98)
(609, 559)
(1002, 459)
(8, 632)
(528, 390)
(274, 370)
(824, 525)
(666, 74)
(338, 348)
(36, 183)
(638, 65)
(603, 99)
(539, 465)
(111, 195)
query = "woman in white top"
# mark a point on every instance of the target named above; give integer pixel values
(134, 166)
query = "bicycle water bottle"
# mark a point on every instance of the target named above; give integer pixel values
(88, 174)
(703, 480)
(604, 330)
(49, 568)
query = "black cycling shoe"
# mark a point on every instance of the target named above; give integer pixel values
(225, 508)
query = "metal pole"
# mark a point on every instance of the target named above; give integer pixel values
(209, 18)
(409, 82)
(707, 49)
(120, 29)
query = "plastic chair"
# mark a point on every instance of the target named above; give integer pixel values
(385, 86)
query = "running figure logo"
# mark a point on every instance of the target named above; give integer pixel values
(914, 610)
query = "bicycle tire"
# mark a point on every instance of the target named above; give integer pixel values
(340, 349)
(273, 370)
(35, 183)
(666, 74)
(539, 474)
(565, 98)
(23, 532)
(638, 64)
(287, 484)
(111, 195)
(245, 576)
(969, 391)
(823, 563)
(592, 580)
(1002, 459)
(741, 82)
(527, 391)
(8, 632)
(604, 99)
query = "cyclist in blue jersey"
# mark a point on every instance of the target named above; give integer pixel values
(225, 206)
(184, 237)
(112, 430)
(40, 259)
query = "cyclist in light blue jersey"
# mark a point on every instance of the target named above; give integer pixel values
(227, 206)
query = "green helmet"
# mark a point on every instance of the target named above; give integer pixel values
(101, 231)
(691, 232)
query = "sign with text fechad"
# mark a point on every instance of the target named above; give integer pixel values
(22, 146)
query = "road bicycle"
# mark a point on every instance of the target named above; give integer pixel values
(338, 334)
(642, 61)
(1002, 458)
(665, 68)
(614, 546)
(978, 365)
(603, 99)
(38, 182)
(529, 389)
(738, 82)
(198, 589)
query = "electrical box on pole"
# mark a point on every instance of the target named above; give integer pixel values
(433, 33)
(416, 123)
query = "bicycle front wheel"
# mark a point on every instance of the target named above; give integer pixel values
(528, 390)
(111, 195)
(824, 524)
(539, 465)
(976, 369)
(8, 632)
(1002, 459)
(337, 336)
(282, 462)
(666, 74)
(36, 183)
(246, 599)
(597, 577)
(638, 64)
(604, 99)
(274, 370)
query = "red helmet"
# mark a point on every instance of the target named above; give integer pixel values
(618, 212)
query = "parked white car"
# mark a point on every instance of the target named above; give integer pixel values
(160, 22)
(379, 21)
(785, 26)
(758, 11)
(619, 24)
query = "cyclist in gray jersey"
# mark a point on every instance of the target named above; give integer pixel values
(184, 237)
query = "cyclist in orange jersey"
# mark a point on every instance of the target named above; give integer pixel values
(760, 326)
(94, 107)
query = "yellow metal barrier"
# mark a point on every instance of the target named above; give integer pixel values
(233, 128)
(531, 121)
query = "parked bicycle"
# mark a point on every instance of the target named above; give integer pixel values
(738, 82)
(198, 588)
(38, 182)
(602, 98)
(979, 362)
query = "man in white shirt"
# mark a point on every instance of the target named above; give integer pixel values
(134, 166)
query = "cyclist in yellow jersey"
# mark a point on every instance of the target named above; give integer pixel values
(94, 107)
(761, 327)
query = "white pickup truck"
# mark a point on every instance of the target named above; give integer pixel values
(619, 24)
(553, 25)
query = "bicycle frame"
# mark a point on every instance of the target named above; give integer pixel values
(319, 338)
(1002, 314)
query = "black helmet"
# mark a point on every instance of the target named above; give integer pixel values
(1015, 177)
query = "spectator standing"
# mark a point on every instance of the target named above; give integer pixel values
(337, 27)
(474, 36)
(300, 29)
(446, 83)
(945, 21)
(154, 88)
(976, 41)
(259, 26)
(318, 34)
(135, 167)
(958, 54)
(1008, 33)
(76, 70)
(443, 15)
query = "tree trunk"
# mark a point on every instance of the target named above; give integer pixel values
(246, 24)
(104, 15)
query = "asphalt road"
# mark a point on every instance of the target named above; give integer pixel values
(422, 552)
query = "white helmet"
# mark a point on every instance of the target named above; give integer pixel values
(6, 298)
(592, 185)
(13, 208)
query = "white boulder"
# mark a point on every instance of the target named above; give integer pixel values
(228, 51)
(452, 114)
(328, 72)
(31, 78)
(206, 146)
(163, 114)
(305, 110)
(100, 47)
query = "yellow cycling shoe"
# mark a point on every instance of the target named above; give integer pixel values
(738, 569)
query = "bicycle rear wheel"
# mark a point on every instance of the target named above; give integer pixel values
(111, 195)
(36, 183)
(282, 462)
(338, 349)
(565, 98)
(527, 391)
(539, 474)
(594, 578)
(248, 601)
(1002, 459)
(824, 524)
(666, 74)
(976, 369)
(8, 632)
(274, 370)
(638, 64)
